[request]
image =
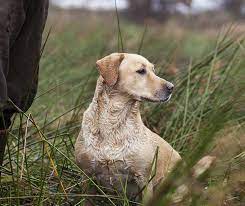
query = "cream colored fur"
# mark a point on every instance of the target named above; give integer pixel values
(114, 145)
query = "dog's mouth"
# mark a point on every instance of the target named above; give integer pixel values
(166, 99)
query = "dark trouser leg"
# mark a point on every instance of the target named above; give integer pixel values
(3, 141)
(5, 121)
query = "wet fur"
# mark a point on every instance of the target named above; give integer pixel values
(114, 146)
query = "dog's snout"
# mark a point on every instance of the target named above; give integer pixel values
(169, 87)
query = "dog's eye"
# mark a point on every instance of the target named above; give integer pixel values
(141, 71)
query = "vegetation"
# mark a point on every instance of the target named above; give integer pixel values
(204, 116)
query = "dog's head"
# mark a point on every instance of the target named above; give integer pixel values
(134, 75)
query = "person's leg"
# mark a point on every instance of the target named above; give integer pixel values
(24, 56)
(3, 141)
(7, 36)
(5, 122)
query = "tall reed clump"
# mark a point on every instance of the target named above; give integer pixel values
(208, 98)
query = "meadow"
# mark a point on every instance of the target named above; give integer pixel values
(205, 114)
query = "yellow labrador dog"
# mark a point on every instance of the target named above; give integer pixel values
(114, 145)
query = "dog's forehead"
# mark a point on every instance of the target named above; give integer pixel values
(137, 59)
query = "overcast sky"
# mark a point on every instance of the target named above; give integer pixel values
(197, 5)
(91, 4)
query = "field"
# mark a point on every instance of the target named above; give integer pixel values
(204, 116)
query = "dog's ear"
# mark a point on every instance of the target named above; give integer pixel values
(109, 67)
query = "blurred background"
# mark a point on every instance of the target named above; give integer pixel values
(193, 12)
(141, 9)
(168, 32)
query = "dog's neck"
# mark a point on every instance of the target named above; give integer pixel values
(114, 106)
(114, 111)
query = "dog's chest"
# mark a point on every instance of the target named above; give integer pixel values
(113, 149)
(115, 146)
(116, 151)
(108, 141)
(112, 164)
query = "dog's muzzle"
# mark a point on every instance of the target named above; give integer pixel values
(167, 92)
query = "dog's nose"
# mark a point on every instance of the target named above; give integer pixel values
(169, 87)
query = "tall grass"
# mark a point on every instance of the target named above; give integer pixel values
(39, 167)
